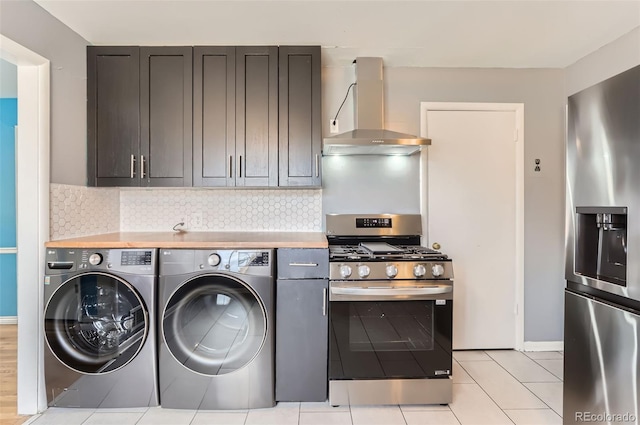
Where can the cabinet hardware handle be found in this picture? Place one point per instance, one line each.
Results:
(317, 165)
(304, 264)
(133, 166)
(324, 301)
(230, 166)
(142, 166)
(240, 167)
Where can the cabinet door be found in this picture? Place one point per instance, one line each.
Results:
(166, 116)
(113, 116)
(300, 115)
(301, 340)
(214, 116)
(256, 116)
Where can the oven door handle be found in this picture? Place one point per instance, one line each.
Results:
(364, 294)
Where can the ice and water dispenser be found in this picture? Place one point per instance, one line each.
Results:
(601, 243)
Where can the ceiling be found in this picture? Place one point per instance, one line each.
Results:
(450, 33)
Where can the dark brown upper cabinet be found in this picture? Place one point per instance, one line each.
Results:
(113, 116)
(236, 116)
(139, 116)
(300, 115)
(257, 116)
(214, 116)
(204, 116)
(166, 116)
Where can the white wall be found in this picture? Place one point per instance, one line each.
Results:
(610, 60)
(26, 23)
(542, 92)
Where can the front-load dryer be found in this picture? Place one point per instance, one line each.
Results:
(99, 328)
(216, 338)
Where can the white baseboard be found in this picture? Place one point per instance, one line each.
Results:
(543, 345)
(8, 320)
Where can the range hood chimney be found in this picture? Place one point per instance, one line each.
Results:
(370, 137)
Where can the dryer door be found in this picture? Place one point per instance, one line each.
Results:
(214, 324)
(95, 323)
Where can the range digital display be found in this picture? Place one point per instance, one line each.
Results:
(373, 222)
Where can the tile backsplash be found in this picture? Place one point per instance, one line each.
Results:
(79, 211)
(267, 210)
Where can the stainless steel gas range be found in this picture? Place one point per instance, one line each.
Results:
(391, 309)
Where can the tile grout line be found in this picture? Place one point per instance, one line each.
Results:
(523, 383)
(542, 366)
(536, 362)
(485, 391)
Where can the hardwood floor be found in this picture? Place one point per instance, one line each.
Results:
(8, 375)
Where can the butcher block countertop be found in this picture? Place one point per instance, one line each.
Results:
(194, 240)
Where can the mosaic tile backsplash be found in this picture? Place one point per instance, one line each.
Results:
(80, 211)
(267, 210)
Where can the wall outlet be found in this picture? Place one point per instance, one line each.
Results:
(195, 220)
(333, 126)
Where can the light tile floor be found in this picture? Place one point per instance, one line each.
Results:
(489, 387)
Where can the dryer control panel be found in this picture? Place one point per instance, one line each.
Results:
(134, 261)
(244, 261)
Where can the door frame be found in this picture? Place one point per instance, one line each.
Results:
(32, 217)
(518, 108)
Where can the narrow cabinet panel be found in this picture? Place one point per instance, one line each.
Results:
(113, 116)
(257, 116)
(301, 340)
(166, 116)
(214, 89)
(300, 115)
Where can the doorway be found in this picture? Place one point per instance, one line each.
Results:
(32, 211)
(8, 250)
(473, 207)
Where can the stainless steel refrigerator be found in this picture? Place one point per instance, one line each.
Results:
(602, 297)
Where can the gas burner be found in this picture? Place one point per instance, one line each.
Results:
(393, 252)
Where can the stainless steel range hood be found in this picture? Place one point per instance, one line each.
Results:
(369, 137)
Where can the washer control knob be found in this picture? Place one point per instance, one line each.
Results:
(345, 271)
(363, 271)
(419, 270)
(95, 259)
(437, 270)
(391, 270)
(214, 260)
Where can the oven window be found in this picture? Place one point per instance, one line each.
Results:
(390, 339)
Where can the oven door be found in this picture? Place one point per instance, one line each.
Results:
(390, 333)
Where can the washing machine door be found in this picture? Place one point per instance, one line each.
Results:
(214, 324)
(95, 323)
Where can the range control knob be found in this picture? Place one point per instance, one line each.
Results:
(391, 270)
(214, 260)
(363, 271)
(419, 270)
(437, 270)
(95, 259)
(345, 271)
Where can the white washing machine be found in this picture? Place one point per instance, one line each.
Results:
(216, 338)
(99, 328)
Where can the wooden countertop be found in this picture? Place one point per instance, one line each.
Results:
(195, 240)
